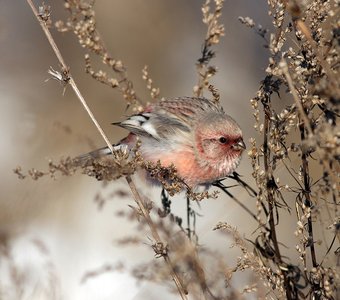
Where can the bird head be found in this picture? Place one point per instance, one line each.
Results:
(219, 142)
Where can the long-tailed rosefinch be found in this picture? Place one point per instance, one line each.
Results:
(194, 134)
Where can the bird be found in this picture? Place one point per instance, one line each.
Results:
(194, 134)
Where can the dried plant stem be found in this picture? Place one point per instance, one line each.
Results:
(266, 158)
(70, 78)
(89, 112)
(298, 103)
(306, 192)
(182, 291)
(225, 190)
(271, 201)
(134, 191)
(188, 218)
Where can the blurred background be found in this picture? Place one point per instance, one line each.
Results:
(52, 230)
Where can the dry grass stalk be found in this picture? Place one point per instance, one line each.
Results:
(215, 31)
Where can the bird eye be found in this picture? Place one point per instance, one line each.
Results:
(222, 140)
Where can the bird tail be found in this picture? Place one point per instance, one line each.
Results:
(87, 158)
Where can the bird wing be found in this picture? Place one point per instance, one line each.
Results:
(188, 109)
(154, 125)
(169, 117)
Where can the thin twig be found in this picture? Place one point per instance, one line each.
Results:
(306, 193)
(221, 186)
(214, 32)
(235, 176)
(70, 78)
(182, 291)
(296, 98)
(271, 200)
(188, 218)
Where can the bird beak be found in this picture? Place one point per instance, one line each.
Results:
(240, 145)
